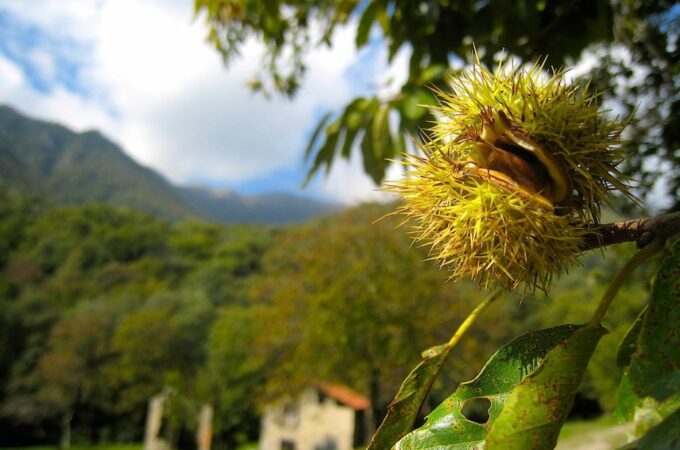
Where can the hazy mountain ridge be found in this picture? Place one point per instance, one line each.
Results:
(47, 159)
(228, 207)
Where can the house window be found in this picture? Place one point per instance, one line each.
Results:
(328, 444)
(291, 415)
(287, 445)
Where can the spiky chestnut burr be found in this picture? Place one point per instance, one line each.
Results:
(519, 165)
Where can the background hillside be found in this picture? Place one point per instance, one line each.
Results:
(68, 168)
(229, 207)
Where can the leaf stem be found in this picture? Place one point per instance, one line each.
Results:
(643, 255)
(470, 319)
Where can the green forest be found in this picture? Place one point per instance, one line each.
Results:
(102, 308)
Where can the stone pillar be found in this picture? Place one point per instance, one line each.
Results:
(154, 419)
(204, 434)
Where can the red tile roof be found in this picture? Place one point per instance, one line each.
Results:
(346, 396)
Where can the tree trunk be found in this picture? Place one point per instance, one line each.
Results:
(204, 434)
(66, 419)
(154, 420)
(376, 409)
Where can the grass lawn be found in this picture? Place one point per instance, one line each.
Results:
(85, 447)
(600, 434)
(248, 446)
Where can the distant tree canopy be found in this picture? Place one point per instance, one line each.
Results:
(356, 288)
(102, 308)
(636, 43)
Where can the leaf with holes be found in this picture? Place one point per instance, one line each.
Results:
(655, 365)
(536, 409)
(509, 384)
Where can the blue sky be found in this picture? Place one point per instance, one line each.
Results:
(142, 73)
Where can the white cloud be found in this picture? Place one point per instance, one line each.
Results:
(10, 75)
(60, 105)
(158, 89)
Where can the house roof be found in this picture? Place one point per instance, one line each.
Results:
(346, 396)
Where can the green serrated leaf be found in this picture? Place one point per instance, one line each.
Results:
(380, 130)
(395, 44)
(315, 134)
(535, 411)
(626, 401)
(382, 137)
(433, 72)
(414, 104)
(384, 21)
(403, 410)
(447, 427)
(353, 116)
(399, 141)
(367, 153)
(326, 153)
(366, 22)
(655, 366)
(644, 412)
(352, 120)
(370, 163)
(629, 342)
(410, 107)
(350, 137)
(663, 436)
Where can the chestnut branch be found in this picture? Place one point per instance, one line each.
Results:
(641, 231)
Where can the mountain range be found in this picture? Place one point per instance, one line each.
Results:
(69, 168)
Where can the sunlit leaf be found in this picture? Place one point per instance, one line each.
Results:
(375, 144)
(411, 108)
(352, 120)
(366, 22)
(382, 144)
(316, 133)
(325, 155)
(433, 72)
(370, 163)
(535, 411)
(529, 384)
(399, 143)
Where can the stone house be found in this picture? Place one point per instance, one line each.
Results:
(323, 417)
